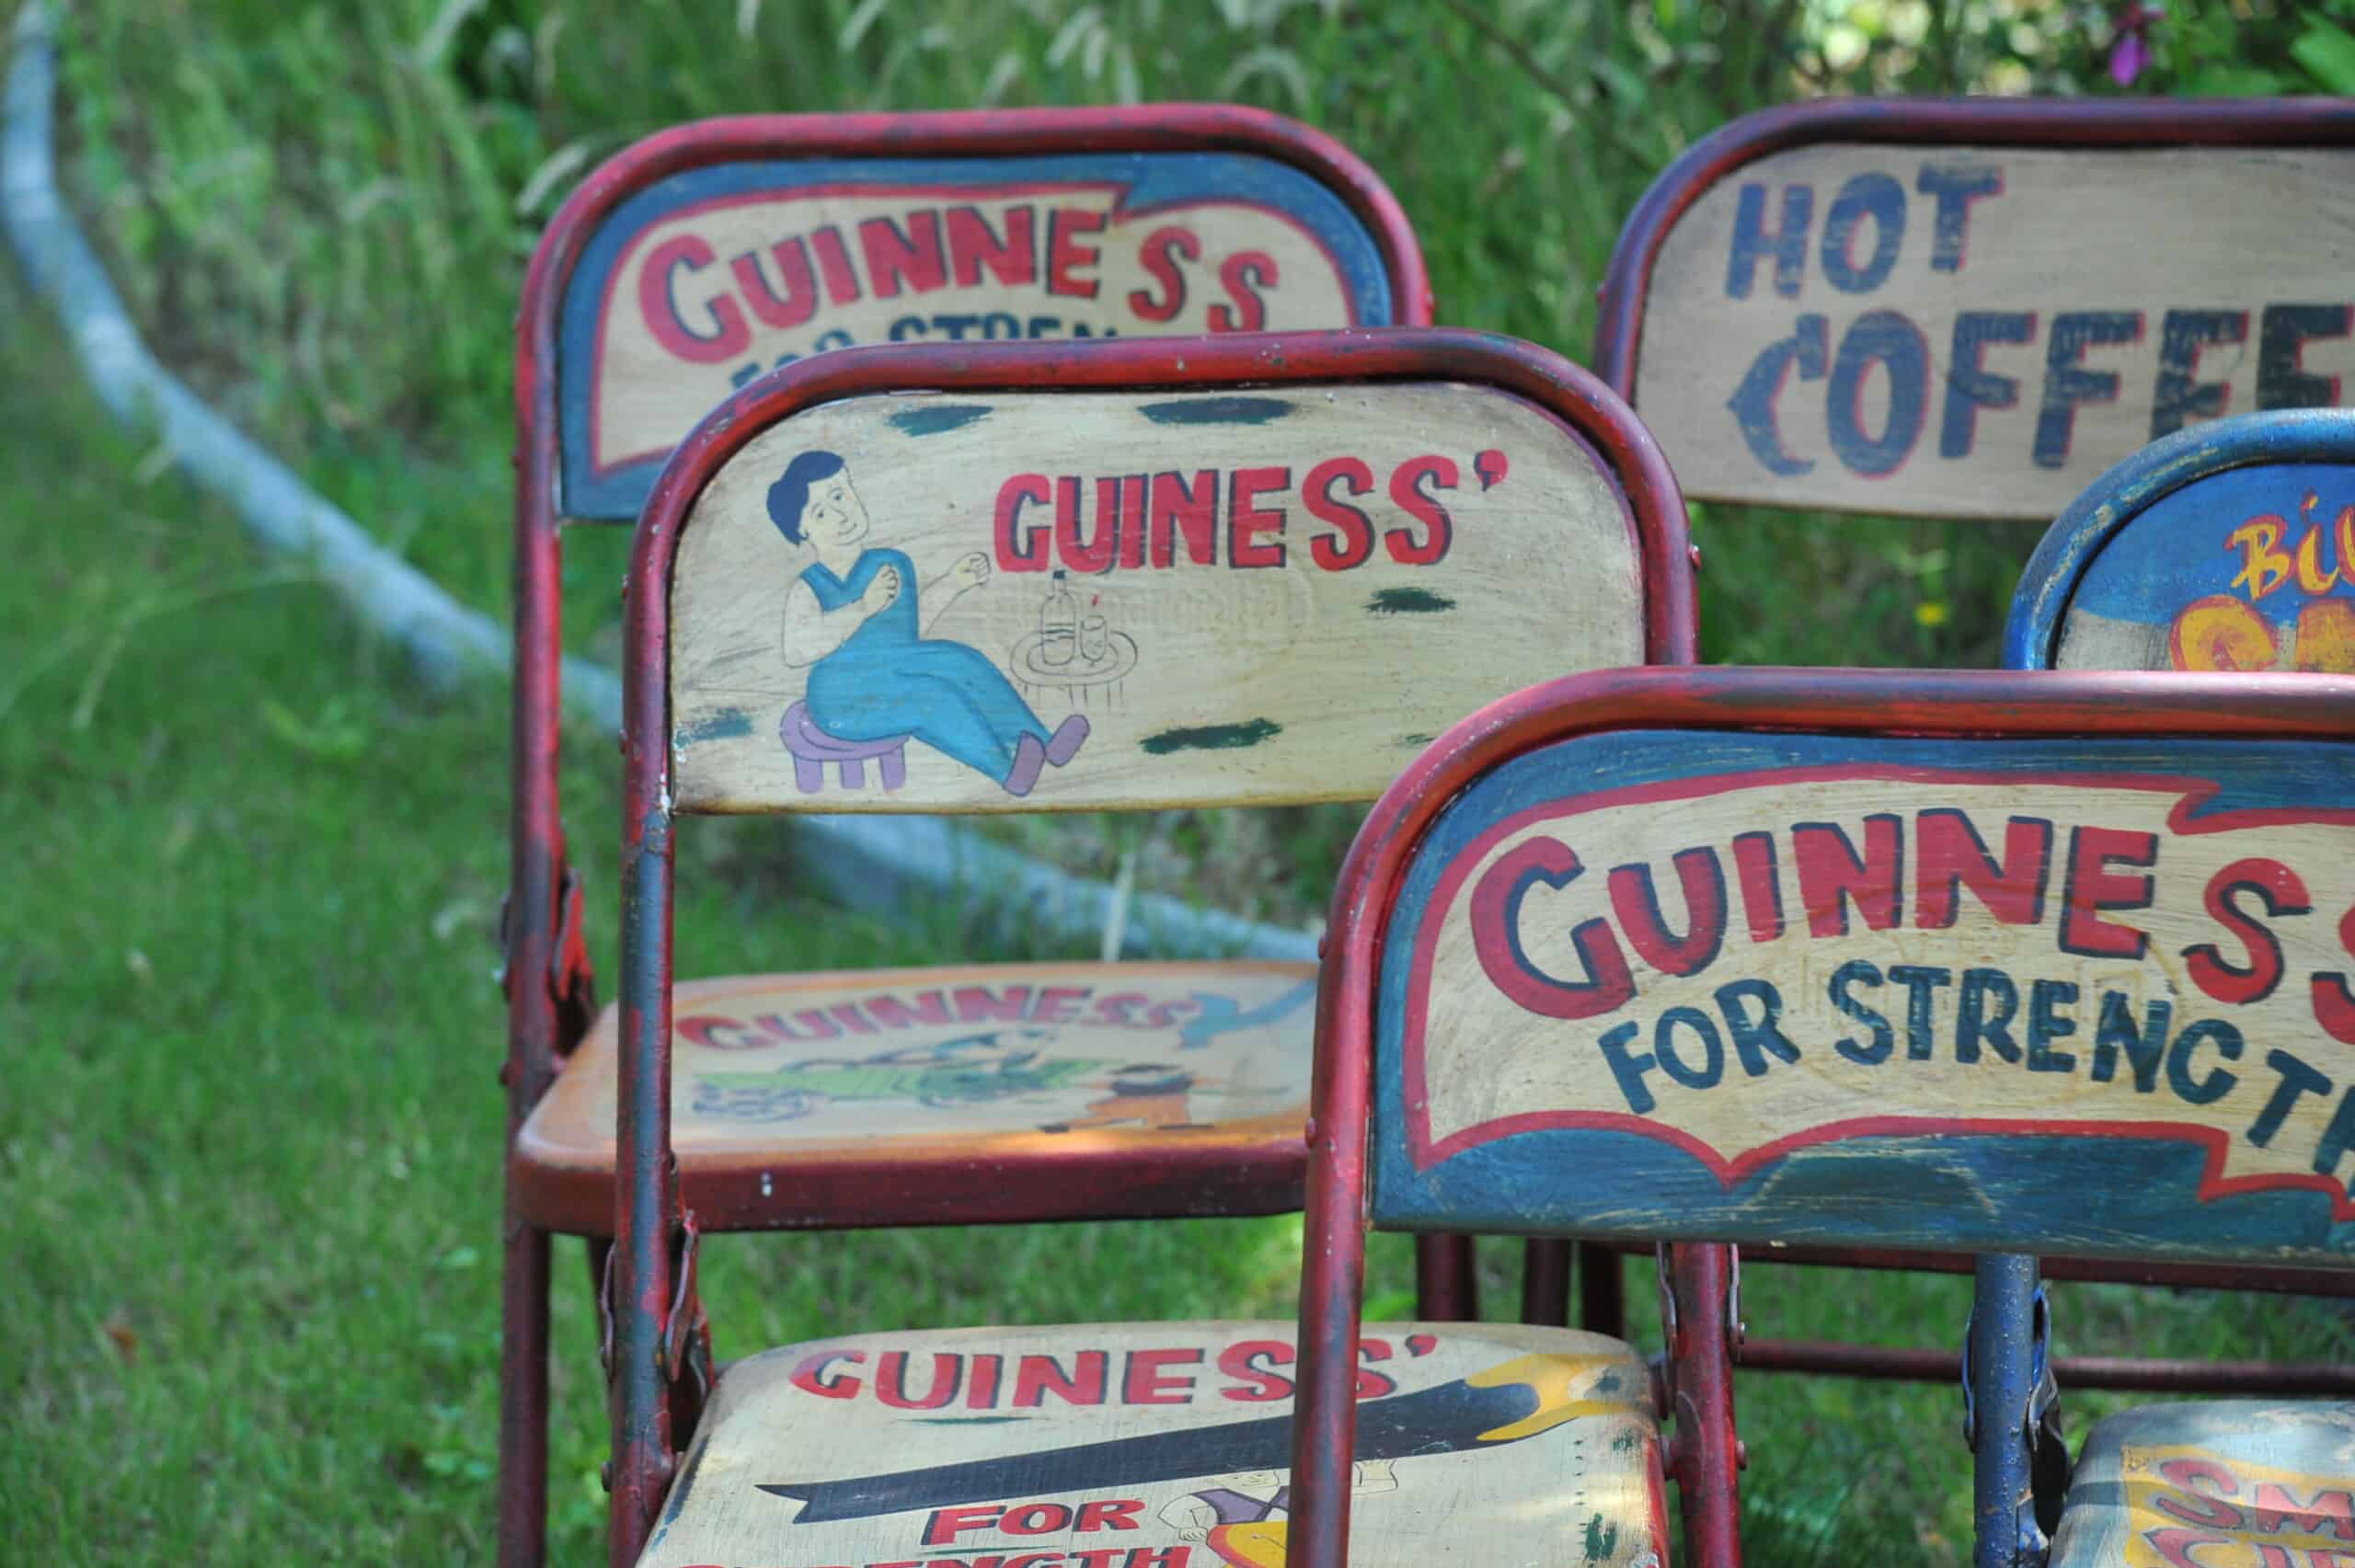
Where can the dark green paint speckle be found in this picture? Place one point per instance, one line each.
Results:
(1408, 601)
(1601, 1539)
(935, 419)
(728, 724)
(1417, 739)
(1218, 411)
(1210, 738)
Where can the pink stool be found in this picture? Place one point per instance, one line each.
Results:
(812, 749)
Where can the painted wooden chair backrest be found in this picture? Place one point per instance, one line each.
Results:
(2229, 545)
(703, 256)
(1251, 569)
(1971, 961)
(1973, 308)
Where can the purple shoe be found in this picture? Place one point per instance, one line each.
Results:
(1069, 737)
(1029, 757)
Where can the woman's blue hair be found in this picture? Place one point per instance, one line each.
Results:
(791, 491)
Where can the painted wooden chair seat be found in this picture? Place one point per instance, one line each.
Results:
(1312, 551)
(2221, 1483)
(1164, 1446)
(956, 1094)
(814, 751)
(1985, 963)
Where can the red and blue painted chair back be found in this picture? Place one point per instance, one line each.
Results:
(1252, 570)
(1972, 962)
(1974, 307)
(2227, 547)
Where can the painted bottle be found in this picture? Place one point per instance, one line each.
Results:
(1058, 624)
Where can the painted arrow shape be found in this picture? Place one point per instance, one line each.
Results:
(1504, 1403)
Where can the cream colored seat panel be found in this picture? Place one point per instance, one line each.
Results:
(1166, 1446)
(2227, 1484)
(925, 1062)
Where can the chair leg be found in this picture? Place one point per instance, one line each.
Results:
(1445, 1288)
(524, 1396)
(1707, 1458)
(1545, 1282)
(1603, 1291)
(809, 776)
(2004, 1366)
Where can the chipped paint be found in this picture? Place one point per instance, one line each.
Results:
(1408, 601)
(727, 724)
(1211, 737)
(1218, 411)
(938, 419)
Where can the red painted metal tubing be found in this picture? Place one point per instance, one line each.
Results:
(1545, 1282)
(1447, 1285)
(2133, 1374)
(1705, 1459)
(744, 1195)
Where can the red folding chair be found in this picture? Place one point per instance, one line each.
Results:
(1974, 308)
(2121, 1056)
(704, 255)
(1298, 556)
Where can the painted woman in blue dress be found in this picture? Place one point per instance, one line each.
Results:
(857, 621)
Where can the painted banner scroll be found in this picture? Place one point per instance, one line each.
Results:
(1960, 309)
(1163, 1445)
(2096, 995)
(2230, 546)
(1073, 600)
(761, 249)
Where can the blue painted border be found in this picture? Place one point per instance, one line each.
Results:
(2078, 1196)
(1152, 179)
(2040, 602)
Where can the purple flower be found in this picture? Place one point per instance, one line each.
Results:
(2131, 51)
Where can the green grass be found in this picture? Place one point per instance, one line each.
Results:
(249, 1141)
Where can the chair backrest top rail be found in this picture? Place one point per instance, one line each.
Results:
(1238, 569)
(1968, 960)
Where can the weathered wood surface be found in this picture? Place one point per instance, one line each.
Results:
(707, 279)
(2251, 569)
(952, 1063)
(1166, 1446)
(2237, 1484)
(1278, 594)
(1980, 331)
(2079, 996)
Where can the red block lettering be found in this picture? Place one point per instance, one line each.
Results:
(1065, 252)
(1145, 1383)
(1156, 257)
(1832, 873)
(1950, 855)
(909, 258)
(2094, 887)
(1243, 275)
(1406, 495)
(1351, 541)
(1245, 518)
(1035, 1377)
(2279, 889)
(971, 247)
(656, 304)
